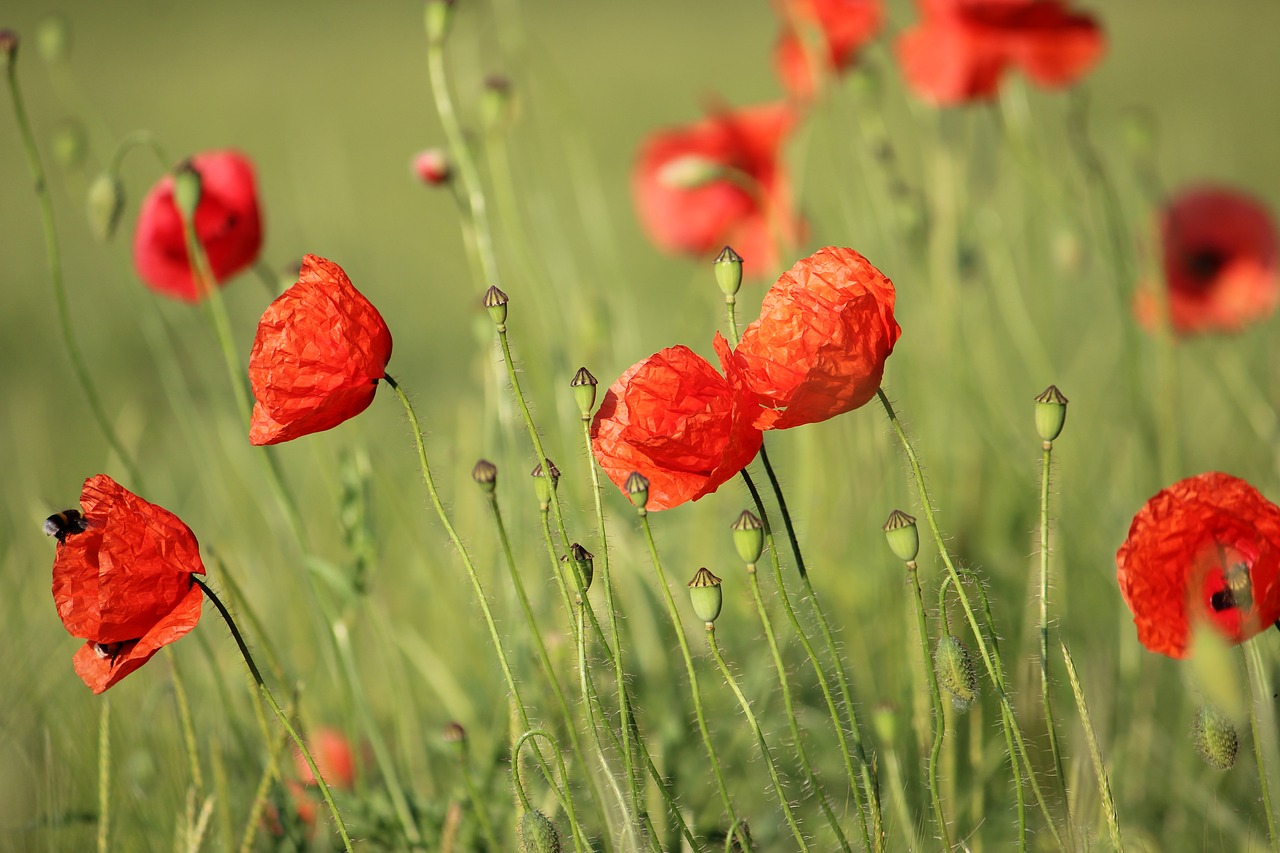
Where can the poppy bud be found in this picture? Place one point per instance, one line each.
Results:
(495, 101)
(70, 145)
(53, 39)
(705, 593)
(954, 667)
(455, 733)
(689, 172)
(187, 189)
(584, 391)
(748, 537)
(104, 203)
(1215, 738)
(1051, 413)
(728, 267)
(585, 562)
(538, 834)
(496, 301)
(637, 487)
(540, 484)
(8, 49)
(485, 473)
(902, 535)
(432, 167)
(439, 13)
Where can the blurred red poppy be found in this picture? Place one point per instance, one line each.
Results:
(1206, 549)
(844, 27)
(678, 422)
(320, 350)
(960, 48)
(719, 182)
(1220, 262)
(333, 755)
(820, 345)
(228, 225)
(123, 581)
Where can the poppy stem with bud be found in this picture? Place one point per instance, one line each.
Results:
(275, 707)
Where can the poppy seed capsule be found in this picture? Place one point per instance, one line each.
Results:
(706, 595)
(1215, 738)
(728, 267)
(496, 301)
(748, 537)
(954, 667)
(585, 562)
(538, 834)
(187, 187)
(540, 482)
(1051, 413)
(637, 487)
(584, 391)
(454, 733)
(105, 203)
(903, 537)
(485, 473)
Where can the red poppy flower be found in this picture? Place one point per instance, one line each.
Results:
(819, 347)
(1206, 549)
(320, 350)
(960, 48)
(227, 222)
(678, 422)
(1220, 259)
(333, 755)
(123, 582)
(844, 25)
(719, 182)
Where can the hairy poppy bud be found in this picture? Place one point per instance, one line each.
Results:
(485, 473)
(748, 537)
(728, 267)
(104, 203)
(954, 667)
(637, 488)
(903, 537)
(1051, 413)
(1215, 738)
(496, 302)
(706, 595)
(584, 391)
(538, 834)
(432, 167)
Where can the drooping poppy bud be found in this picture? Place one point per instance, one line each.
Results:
(123, 581)
(953, 665)
(320, 350)
(227, 223)
(1215, 738)
(1206, 550)
(104, 203)
(538, 834)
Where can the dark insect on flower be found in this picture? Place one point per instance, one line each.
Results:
(60, 525)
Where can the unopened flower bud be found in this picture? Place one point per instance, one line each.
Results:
(70, 145)
(637, 487)
(1215, 738)
(485, 473)
(689, 172)
(454, 733)
(187, 186)
(432, 167)
(8, 49)
(728, 267)
(53, 39)
(104, 203)
(495, 101)
(584, 391)
(748, 537)
(954, 667)
(542, 484)
(1051, 413)
(496, 301)
(438, 15)
(902, 535)
(584, 560)
(706, 595)
(538, 834)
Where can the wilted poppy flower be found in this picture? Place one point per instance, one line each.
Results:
(320, 350)
(718, 182)
(819, 347)
(122, 581)
(227, 222)
(1206, 549)
(678, 422)
(960, 48)
(1220, 262)
(844, 26)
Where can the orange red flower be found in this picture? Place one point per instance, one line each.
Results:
(819, 347)
(844, 27)
(320, 350)
(122, 581)
(228, 224)
(1220, 262)
(677, 421)
(961, 48)
(719, 182)
(333, 755)
(1204, 550)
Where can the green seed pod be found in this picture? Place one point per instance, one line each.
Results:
(584, 391)
(903, 537)
(543, 485)
(53, 39)
(538, 834)
(637, 487)
(104, 204)
(706, 595)
(496, 301)
(1051, 413)
(485, 473)
(1215, 738)
(748, 537)
(585, 562)
(728, 267)
(187, 187)
(954, 667)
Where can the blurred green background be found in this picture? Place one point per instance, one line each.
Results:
(1011, 290)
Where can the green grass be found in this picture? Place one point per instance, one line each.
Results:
(1017, 284)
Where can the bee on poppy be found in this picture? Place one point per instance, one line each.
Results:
(1237, 593)
(60, 525)
(110, 651)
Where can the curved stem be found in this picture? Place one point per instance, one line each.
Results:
(935, 699)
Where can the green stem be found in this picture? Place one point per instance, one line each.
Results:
(104, 777)
(935, 698)
(1261, 694)
(1099, 768)
(280, 714)
(188, 730)
(478, 805)
(1044, 632)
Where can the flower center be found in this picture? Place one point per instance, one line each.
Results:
(1204, 265)
(1237, 593)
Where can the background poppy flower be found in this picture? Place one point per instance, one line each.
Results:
(124, 582)
(227, 222)
(844, 25)
(718, 182)
(320, 350)
(333, 755)
(1220, 262)
(1205, 549)
(677, 421)
(960, 48)
(819, 347)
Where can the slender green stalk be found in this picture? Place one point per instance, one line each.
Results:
(259, 806)
(104, 777)
(759, 733)
(1044, 631)
(1099, 767)
(275, 707)
(1261, 695)
(935, 698)
(188, 730)
(478, 804)
(53, 257)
